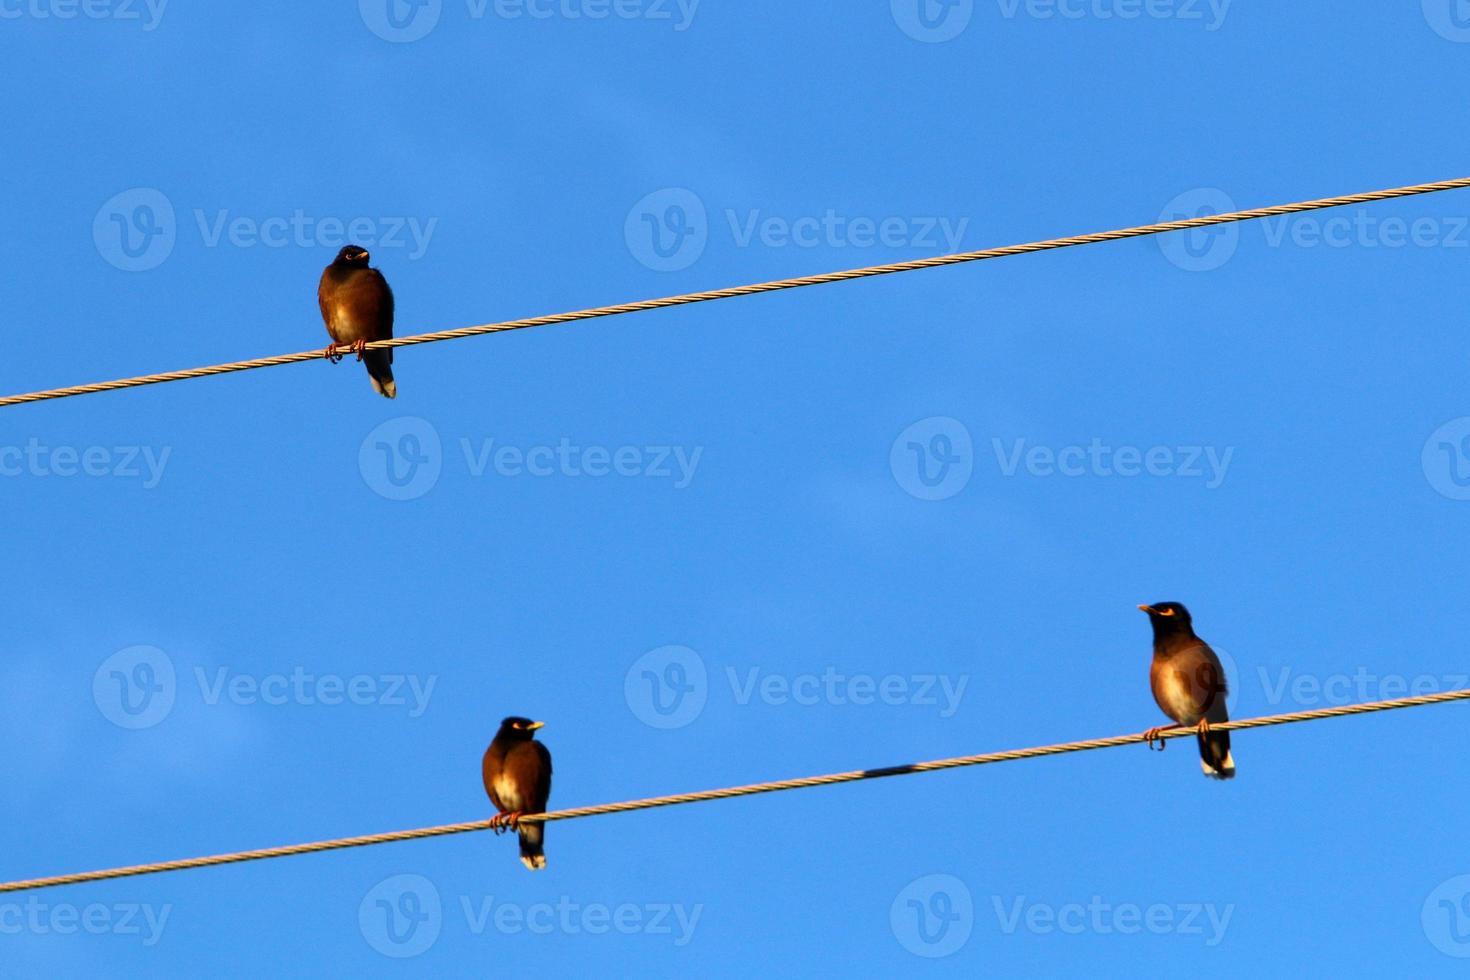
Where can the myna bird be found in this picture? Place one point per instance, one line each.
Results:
(517, 772)
(1189, 685)
(357, 306)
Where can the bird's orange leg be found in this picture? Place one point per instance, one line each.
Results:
(331, 353)
(359, 348)
(1203, 727)
(1152, 735)
(497, 823)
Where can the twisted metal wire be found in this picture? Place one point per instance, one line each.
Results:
(774, 786)
(765, 287)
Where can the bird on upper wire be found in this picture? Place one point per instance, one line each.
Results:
(357, 307)
(1189, 685)
(517, 774)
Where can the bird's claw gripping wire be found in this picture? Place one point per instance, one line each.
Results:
(1152, 736)
(360, 348)
(502, 822)
(331, 353)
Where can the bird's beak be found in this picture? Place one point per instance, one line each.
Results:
(535, 725)
(363, 255)
(1148, 609)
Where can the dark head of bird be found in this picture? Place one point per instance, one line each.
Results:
(352, 255)
(517, 729)
(1170, 620)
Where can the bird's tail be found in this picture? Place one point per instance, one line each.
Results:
(532, 837)
(380, 370)
(1214, 755)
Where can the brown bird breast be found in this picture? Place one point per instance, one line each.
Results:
(1187, 685)
(517, 778)
(356, 304)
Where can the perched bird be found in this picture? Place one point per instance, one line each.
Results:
(1189, 685)
(517, 773)
(357, 307)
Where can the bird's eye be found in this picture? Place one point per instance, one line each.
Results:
(1166, 612)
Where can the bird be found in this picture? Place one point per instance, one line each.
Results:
(1189, 685)
(517, 774)
(357, 307)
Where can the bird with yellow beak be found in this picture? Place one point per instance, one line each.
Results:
(517, 774)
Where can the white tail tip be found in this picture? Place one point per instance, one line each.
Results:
(534, 863)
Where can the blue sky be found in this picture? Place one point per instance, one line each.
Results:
(273, 607)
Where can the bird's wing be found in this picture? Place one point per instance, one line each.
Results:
(543, 776)
(387, 306)
(1209, 682)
